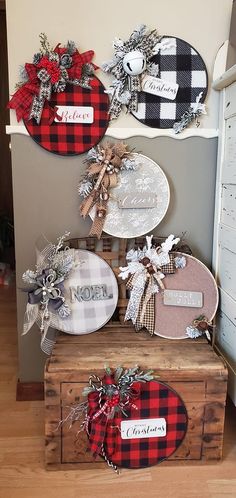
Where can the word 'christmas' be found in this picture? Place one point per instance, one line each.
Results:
(136, 429)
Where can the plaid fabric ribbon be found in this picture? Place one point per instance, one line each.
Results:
(46, 76)
(97, 423)
(142, 313)
(100, 418)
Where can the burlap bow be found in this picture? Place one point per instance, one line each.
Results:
(104, 174)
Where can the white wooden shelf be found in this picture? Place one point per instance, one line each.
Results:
(123, 133)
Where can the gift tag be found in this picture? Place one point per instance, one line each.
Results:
(183, 298)
(182, 77)
(139, 200)
(159, 87)
(143, 428)
(81, 120)
(189, 292)
(74, 114)
(152, 430)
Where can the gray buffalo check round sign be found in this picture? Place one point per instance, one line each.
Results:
(139, 201)
(91, 292)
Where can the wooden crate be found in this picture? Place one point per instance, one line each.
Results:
(189, 366)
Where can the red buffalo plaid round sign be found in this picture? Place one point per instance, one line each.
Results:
(81, 119)
(154, 428)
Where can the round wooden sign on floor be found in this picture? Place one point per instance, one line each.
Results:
(181, 65)
(152, 430)
(91, 292)
(70, 138)
(171, 320)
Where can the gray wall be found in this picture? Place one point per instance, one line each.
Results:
(46, 201)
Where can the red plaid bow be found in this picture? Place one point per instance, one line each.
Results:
(75, 72)
(103, 429)
(22, 99)
(98, 424)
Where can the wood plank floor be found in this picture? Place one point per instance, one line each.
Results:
(22, 473)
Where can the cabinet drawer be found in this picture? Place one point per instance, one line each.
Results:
(228, 210)
(227, 271)
(230, 101)
(226, 337)
(229, 170)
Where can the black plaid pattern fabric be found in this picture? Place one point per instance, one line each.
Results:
(180, 64)
(149, 316)
(169, 267)
(156, 400)
(73, 138)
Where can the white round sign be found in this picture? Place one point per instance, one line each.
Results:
(91, 292)
(139, 202)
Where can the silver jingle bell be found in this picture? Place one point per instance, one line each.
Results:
(134, 63)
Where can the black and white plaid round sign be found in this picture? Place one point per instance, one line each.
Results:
(179, 63)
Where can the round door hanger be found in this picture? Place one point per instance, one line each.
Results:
(80, 121)
(153, 429)
(91, 292)
(139, 202)
(189, 293)
(181, 80)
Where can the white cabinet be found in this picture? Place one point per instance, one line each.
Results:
(224, 257)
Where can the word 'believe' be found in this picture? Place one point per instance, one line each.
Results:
(74, 114)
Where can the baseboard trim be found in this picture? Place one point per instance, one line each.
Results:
(29, 391)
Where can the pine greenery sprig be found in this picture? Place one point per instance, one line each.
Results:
(123, 379)
(45, 45)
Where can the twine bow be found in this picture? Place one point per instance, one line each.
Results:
(104, 174)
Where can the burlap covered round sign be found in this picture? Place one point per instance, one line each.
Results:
(190, 293)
